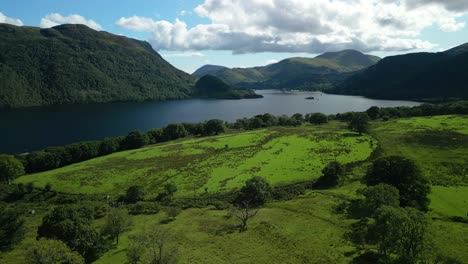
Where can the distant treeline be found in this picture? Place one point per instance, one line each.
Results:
(55, 157)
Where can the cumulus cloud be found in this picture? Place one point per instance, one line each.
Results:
(54, 19)
(452, 5)
(184, 55)
(313, 26)
(272, 61)
(10, 20)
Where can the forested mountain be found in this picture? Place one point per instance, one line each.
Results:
(316, 73)
(416, 76)
(75, 64)
(210, 86)
(208, 69)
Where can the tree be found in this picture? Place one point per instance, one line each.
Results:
(152, 246)
(10, 168)
(332, 174)
(134, 194)
(72, 224)
(109, 145)
(256, 122)
(135, 139)
(117, 221)
(298, 116)
(11, 227)
(404, 175)
(401, 231)
(48, 187)
(155, 135)
(213, 126)
(269, 120)
(359, 123)
(49, 251)
(379, 195)
(318, 118)
(172, 212)
(254, 193)
(170, 189)
(174, 131)
(244, 212)
(29, 187)
(373, 112)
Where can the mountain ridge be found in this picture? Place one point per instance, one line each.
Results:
(414, 76)
(70, 64)
(318, 73)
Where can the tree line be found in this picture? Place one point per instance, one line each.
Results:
(56, 157)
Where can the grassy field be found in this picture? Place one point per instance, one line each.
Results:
(215, 164)
(304, 230)
(307, 229)
(438, 144)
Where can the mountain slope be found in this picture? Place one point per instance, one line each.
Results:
(319, 73)
(210, 86)
(416, 76)
(75, 64)
(208, 69)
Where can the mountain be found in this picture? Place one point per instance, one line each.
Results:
(208, 69)
(210, 86)
(75, 64)
(416, 76)
(317, 73)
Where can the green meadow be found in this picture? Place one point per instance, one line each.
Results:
(215, 164)
(308, 229)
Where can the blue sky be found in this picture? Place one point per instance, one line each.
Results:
(243, 33)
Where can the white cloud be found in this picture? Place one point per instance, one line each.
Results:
(185, 13)
(10, 20)
(54, 19)
(268, 62)
(184, 55)
(452, 5)
(312, 26)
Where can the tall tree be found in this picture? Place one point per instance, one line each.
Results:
(332, 174)
(117, 221)
(318, 118)
(134, 194)
(135, 139)
(359, 123)
(401, 231)
(404, 175)
(11, 227)
(49, 251)
(10, 168)
(254, 193)
(214, 126)
(72, 224)
(152, 246)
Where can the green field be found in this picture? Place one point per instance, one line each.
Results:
(438, 144)
(217, 164)
(307, 229)
(304, 230)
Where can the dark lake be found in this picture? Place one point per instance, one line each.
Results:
(36, 128)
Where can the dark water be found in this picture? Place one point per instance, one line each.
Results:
(35, 128)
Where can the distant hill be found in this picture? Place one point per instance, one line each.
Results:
(316, 73)
(75, 64)
(416, 76)
(210, 86)
(208, 69)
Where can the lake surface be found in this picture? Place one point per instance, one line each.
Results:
(36, 128)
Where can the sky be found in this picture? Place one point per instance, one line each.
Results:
(247, 33)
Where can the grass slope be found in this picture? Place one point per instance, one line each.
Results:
(304, 230)
(198, 164)
(307, 229)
